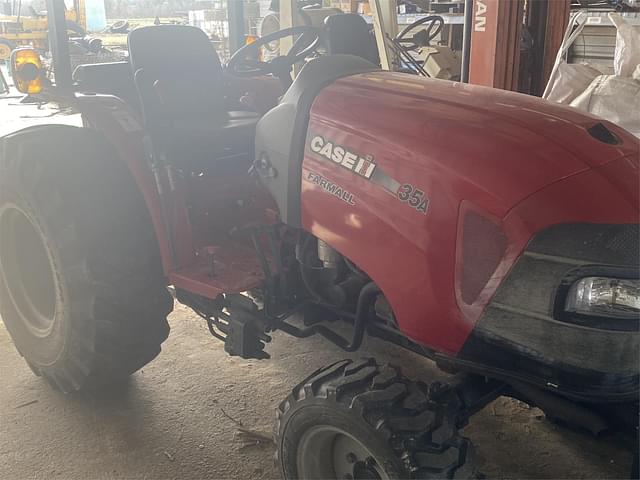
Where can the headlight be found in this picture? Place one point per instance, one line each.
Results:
(605, 297)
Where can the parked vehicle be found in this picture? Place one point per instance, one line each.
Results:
(32, 30)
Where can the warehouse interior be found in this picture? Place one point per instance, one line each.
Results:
(319, 239)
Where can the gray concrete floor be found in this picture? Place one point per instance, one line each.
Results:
(177, 418)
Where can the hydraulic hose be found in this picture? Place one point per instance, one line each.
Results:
(366, 299)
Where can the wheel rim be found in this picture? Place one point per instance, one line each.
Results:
(327, 452)
(27, 271)
(5, 51)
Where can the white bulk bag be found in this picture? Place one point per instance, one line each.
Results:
(568, 80)
(613, 98)
(627, 55)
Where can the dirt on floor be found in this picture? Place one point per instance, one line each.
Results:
(181, 417)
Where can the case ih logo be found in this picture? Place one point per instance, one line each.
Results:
(363, 166)
(331, 188)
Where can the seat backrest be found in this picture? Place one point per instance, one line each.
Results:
(177, 73)
(349, 34)
(173, 49)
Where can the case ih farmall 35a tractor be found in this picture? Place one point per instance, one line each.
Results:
(492, 232)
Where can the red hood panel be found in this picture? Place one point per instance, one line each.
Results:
(559, 124)
(614, 197)
(504, 144)
(439, 147)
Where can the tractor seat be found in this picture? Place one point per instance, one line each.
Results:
(180, 83)
(349, 34)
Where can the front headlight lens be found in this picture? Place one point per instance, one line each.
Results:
(605, 297)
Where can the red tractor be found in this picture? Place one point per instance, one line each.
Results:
(492, 232)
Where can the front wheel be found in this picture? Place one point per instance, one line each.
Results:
(360, 420)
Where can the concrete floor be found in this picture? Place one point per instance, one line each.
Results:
(177, 418)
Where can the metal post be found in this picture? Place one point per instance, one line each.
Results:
(59, 43)
(495, 43)
(557, 20)
(466, 40)
(235, 9)
(390, 14)
(385, 23)
(288, 13)
(81, 13)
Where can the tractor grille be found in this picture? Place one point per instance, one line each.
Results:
(591, 243)
(523, 310)
(522, 333)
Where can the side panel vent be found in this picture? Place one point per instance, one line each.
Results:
(483, 246)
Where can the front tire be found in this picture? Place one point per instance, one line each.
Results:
(81, 288)
(355, 420)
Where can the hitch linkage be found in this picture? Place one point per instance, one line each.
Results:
(241, 328)
(234, 319)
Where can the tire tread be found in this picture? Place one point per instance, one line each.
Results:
(107, 251)
(419, 427)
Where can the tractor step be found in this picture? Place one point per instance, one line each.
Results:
(230, 268)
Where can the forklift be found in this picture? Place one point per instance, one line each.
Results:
(17, 29)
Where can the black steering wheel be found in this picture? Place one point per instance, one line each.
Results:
(423, 37)
(244, 62)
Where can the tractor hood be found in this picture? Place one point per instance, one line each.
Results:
(434, 188)
(491, 145)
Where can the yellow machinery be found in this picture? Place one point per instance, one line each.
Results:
(22, 30)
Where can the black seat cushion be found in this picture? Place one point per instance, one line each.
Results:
(180, 84)
(349, 34)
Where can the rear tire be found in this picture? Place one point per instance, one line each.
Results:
(81, 287)
(388, 426)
